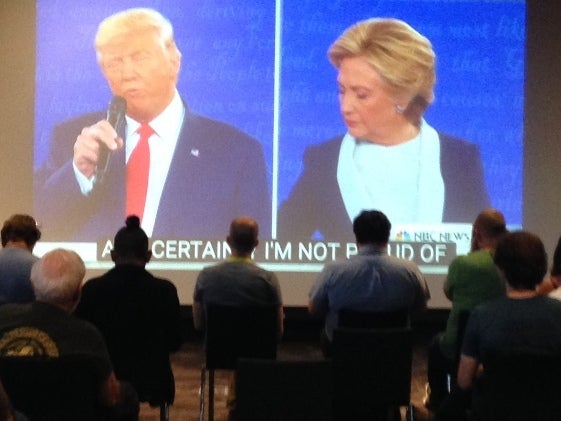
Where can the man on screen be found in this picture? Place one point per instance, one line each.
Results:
(201, 172)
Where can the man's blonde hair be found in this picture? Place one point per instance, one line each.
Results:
(134, 20)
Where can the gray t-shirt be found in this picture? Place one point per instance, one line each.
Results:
(236, 283)
(507, 325)
(41, 329)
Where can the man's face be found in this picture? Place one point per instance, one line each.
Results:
(141, 69)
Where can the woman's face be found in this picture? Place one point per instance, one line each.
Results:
(367, 108)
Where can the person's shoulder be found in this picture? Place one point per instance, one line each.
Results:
(210, 272)
(340, 268)
(12, 309)
(467, 259)
(93, 284)
(450, 143)
(163, 283)
(85, 328)
(552, 301)
(218, 131)
(398, 262)
(329, 146)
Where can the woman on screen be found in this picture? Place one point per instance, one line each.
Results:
(390, 159)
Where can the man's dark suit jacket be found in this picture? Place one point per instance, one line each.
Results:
(217, 173)
(315, 204)
(139, 318)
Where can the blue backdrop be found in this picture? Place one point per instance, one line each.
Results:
(229, 68)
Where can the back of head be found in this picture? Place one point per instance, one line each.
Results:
(401, 56)
(57, 278)
(20, 227)
(244, 233)
(491, 223)
(372, 227)
(131, 242)
(522, 258)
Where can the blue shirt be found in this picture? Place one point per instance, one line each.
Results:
(15, 275)
(370, 281)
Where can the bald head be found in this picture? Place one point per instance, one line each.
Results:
(489, 227)
(243, 237)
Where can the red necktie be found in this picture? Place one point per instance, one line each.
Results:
(137, 173)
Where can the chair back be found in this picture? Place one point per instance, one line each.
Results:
(233, 332)
(283, 390)
(519, 387)
(374, 319)
(463, 318)
(372, 370)
(52, 388)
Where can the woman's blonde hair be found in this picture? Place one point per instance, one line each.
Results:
(401, 56)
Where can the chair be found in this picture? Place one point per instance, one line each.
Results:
(52, 389)
(283, 390)
(518, 387)
(231, 333)
(374, 319)
(372, 373)
(463, 317)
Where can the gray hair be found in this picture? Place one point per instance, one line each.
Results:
(57, 277)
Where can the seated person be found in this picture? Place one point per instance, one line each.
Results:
(19, 236)
(46, 327)
(472, 280)
(137, 314)
(522, 322)
(237, 281)
(369, 281)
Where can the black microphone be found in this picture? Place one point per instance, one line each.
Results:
(116, 117)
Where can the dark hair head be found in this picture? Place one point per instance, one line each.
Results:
(244, 233)
(372, 227)
(522, 258)
(131, 241)
(20, 227)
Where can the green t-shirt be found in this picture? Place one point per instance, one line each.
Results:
(472, 279)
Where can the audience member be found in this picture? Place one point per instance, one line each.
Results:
(46, 327)
(138, 315)
(472, 279)
(550, 285)
(19, 236)
(238, 281)
(522, 322)
(369, 281)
